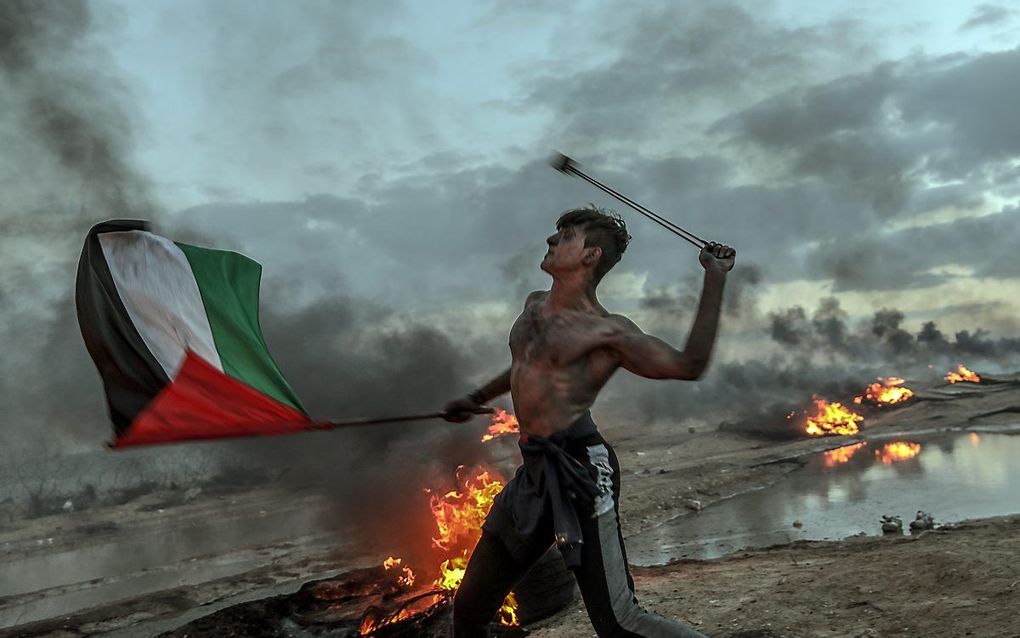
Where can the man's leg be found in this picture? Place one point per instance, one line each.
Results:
(603, 577)
(491, 574)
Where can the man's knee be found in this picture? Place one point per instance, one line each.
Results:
(605, 626)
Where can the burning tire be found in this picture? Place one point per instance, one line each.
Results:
(546, 589)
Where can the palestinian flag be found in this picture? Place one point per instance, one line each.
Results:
(174, 331)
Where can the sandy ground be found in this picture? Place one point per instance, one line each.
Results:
(955, 581)
(960, 580)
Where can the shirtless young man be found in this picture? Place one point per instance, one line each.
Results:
(565, 346)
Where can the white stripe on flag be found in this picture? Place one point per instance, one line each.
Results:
(159, 291)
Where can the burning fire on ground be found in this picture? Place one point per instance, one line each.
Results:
(407, 577)
(898, 451)
(458, 516)
(962, 374)
(832, 418)
(503, 424)
(887, 391)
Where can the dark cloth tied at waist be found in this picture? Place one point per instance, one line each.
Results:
(541, 502)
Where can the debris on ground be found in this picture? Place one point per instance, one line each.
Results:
(892, 524)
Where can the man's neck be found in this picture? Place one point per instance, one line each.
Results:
(575, 292)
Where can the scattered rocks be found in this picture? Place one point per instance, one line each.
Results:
(922, 522)
(692, 504)
(891, 524)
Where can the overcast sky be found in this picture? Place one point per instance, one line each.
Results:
(860, 148)
(393, 154)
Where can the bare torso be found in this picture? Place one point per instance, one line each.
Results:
(560, 363)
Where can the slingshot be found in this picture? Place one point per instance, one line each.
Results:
(564, 164)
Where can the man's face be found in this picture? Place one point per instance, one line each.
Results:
(566, 251)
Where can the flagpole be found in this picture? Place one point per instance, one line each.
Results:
(332, 425)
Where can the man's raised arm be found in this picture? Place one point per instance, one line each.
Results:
(460, 410)
(653, 358)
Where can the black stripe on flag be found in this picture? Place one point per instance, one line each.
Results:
(131, 375)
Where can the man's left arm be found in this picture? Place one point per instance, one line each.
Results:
(653, 358)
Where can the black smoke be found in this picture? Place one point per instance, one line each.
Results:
(68, 131)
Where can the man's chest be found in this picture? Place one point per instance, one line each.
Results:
(555, 339)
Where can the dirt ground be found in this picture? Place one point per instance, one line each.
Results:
(961, 580)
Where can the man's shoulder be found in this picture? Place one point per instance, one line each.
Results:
(535, 295)
(623, 322)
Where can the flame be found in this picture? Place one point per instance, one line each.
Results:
(975, 439)
(898, 451)
(372, 622)
(407, 580)
(459, 515)
(888, 391)
(503, 424)
(832, 418)
(962, 374)
(841, 455)
(451, 572)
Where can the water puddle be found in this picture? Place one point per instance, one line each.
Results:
(846, 491)
(153, 559)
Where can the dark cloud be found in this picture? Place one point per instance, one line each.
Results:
(672, 61)
(987, 15)
(970, 99)
(916, 257)
(876, 137)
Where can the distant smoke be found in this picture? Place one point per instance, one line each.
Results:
(66, 136)
(794, 354)
(349, 359)
(882, 339)
(68, 133)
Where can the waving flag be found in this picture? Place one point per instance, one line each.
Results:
(174, 331)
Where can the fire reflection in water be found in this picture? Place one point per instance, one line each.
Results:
(898, 451)
(839, 456)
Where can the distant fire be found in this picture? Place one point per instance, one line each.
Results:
(841, 455)
(832, 418)
(503, 424)
(898, 451)
(888, 391)
(962, 374)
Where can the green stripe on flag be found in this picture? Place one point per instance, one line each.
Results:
(229, 285)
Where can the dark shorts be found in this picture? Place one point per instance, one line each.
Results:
(508, 549)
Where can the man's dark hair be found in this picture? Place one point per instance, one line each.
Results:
(602, 228)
